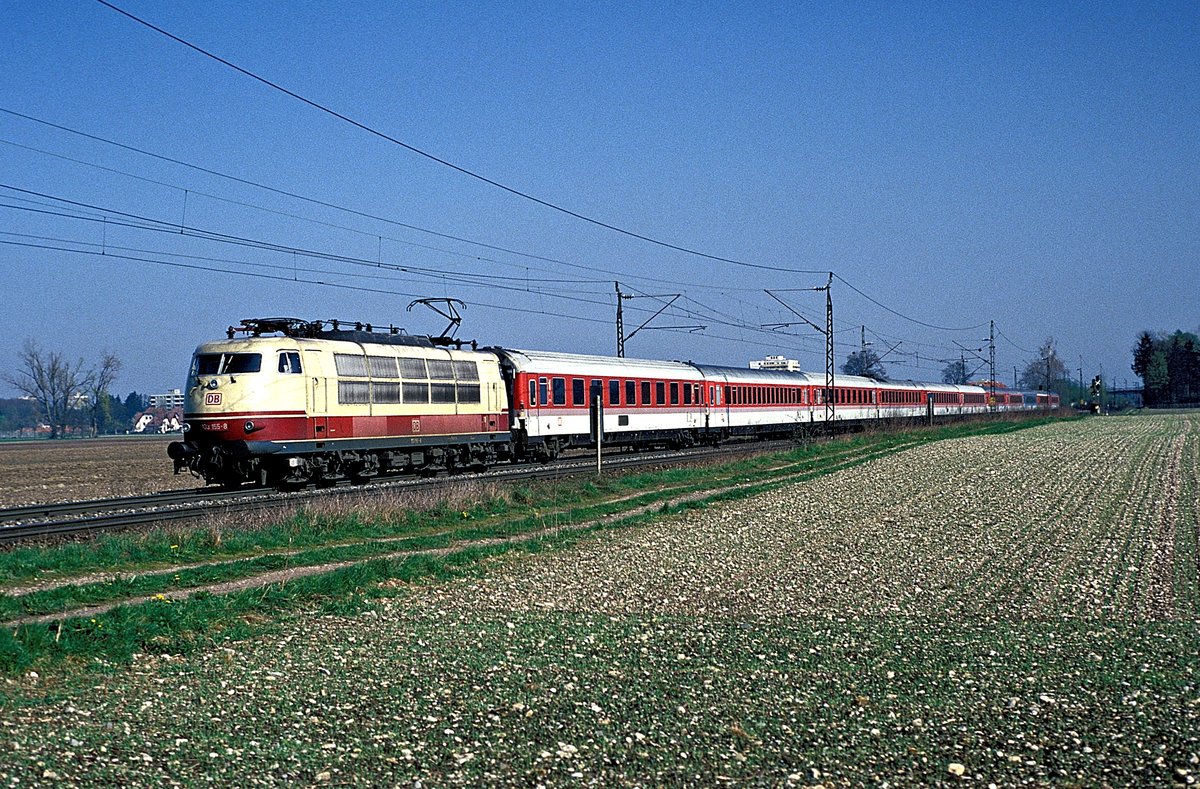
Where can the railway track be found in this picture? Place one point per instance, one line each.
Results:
(39, 521)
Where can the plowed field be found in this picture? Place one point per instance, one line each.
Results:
(1006, 610)
(42, 472)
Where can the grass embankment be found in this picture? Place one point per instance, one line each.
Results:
(381, 541)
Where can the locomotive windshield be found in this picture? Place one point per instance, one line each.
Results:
(226, 363)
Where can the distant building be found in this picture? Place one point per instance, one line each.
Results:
(171, 399)
(159, 420)
(775, 363)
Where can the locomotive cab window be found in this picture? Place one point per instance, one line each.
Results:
(226, 363)
(289, 362)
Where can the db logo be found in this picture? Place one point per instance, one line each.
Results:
(416, 426)
(212, 398)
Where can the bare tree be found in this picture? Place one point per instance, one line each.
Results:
(955, 372)
(1046, 370)
(99, 381)
(865, 363)
(54, 383)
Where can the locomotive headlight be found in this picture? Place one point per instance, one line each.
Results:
(213, 384)
(186, 426)
(249, 426)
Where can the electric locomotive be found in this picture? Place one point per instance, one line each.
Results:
(291, 402)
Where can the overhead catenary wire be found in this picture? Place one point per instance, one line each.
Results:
(336, 207)
(140, 222)
(481, 244)
(440, 160)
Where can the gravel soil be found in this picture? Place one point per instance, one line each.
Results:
(45, 472)
(1009, 610)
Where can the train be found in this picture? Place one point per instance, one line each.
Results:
(288, 402)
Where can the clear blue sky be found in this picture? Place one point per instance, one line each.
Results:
(1036, 164)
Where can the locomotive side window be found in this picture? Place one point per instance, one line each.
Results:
(416, 392)
(386, 393)
(383, 367)
(350, 364)
(354, 392)
(559, 387)
(468, 393)
(440, 369)
(441, 393)
(413, 368)
(289, 362)
(466, 371)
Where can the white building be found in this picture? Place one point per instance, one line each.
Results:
(169, 400)
(775, 363)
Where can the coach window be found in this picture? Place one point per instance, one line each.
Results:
(645, 393)
(687, 394)
(577, 387)
(660, 393)
(596, 390)
(558, 389)
(614, 392)
(674, 393)
(289, 362)
(631, 393)
(532, 392)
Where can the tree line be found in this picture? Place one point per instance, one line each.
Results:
(64, 394)
(1169, 366)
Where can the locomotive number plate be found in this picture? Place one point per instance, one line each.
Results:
(212, 398)
(216, 427)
